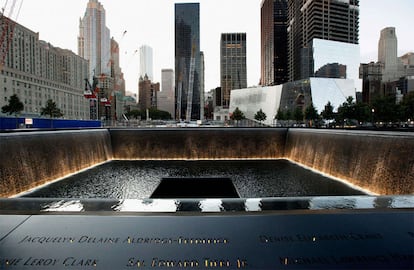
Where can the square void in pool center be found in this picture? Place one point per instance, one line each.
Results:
(195, 187)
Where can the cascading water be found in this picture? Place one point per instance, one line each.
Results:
(31, 159)
(198, 143)
(381, 162)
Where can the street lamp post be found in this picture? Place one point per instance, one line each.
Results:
(372, 116)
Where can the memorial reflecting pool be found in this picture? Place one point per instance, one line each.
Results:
(138, 179)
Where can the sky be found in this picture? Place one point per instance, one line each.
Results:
(151, 22)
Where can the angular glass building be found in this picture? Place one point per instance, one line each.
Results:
(187, 61)
(292, 95)
(327, 55)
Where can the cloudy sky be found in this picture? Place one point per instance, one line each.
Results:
(151, 22)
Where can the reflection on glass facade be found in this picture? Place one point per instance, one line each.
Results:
(187, 61)
(335, 57)
(274, 54)
(329, 20)
(334, 90)
(292, 95)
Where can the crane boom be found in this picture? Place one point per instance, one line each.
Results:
(191, 84)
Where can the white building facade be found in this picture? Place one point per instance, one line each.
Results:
(166, 96)
(36, 71)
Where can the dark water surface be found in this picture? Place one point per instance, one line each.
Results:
(138, 179)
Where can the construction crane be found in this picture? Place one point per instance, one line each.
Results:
(179, 97)
(191, 83)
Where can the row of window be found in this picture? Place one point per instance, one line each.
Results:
(34, 81)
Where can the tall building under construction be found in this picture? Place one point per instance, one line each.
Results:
(187, 62)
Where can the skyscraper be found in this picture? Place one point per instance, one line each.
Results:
(165, 98)
(387, 52)
(94, 42)
(233, 74)
(145, 62)
(274, 63)
(324, 20)
(187, 61)
(167, 80)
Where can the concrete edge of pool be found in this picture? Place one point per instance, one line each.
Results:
(356, 232)
(41, 206)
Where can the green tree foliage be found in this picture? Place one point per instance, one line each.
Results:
(260, 116)
(386, 110)
(298, 114)
(288, 115)
(328, 113)
(237, 114)
(154, 114)
(408, 106)
(51, 110)
(311, 113)
(15, 106)
(362, 112)
(280, 115)
(136, 114)
(347, 109)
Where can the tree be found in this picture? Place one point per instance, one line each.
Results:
(51, 109)
(260, 116)
(386, 109)
(237, 114)
(328, 113)
(298, 114)
(15, 106)
(280, 115)
(158, 114)
(288, 115)
(133, 114)
(362, 112)
(408, 106)
(346, 111)
(311, 114)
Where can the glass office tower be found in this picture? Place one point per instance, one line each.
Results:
(274, 54)
(233, 71)
(187, 61)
